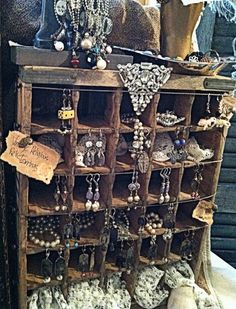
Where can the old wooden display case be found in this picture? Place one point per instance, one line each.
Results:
(99, 99)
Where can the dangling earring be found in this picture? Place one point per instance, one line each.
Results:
(195, 183)
(60, 265)
(153, 249)
(57, 193)
(186, 249)
(132, 188)
(89, 194)
(68, 233)
(76, 231)
(163, 185)
(101, 146)
(64, 194)
(83, 264)
(92, 259)
(167, 185)
(96, 197)
(208, 111)
(46, 268)
(137, 187)
(89, 151)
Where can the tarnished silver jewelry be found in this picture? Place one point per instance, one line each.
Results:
(143, 81)
(96, 197)
(100, 149)
(168, 119)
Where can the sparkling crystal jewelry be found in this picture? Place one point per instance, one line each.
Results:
(42, 231)
(89, 194)
(143, 81)
(163, 146)
(46, 268)
(96, 205)
(134, 187)
(195, 183)
(154, 223)
(168, 119)
(60, 265)
(128, 118)
(57, 193)
(60, 9)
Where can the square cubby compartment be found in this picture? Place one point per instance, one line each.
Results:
(45, 232)
(95, 152)
(157, 182)
(205, 146)
(178, 105)
(121, 192)
(38, 269)
(87, 228)
(125, 221)
(96, 110)
(62, 144)
(50, 199)
(122, 256)
(198, 182)
(45, 104)
(154, 251)
(187, 245)
(85, 263)
(91, 192)
(200, 108)
(184, 217)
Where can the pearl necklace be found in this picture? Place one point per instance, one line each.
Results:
(44, 226)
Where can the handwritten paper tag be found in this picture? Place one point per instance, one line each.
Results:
(36, 160)
(204, 212)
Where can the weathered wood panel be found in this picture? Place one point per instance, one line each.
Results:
(224, 231)
(228, 175)
(226, 197)
(227, 244)
(225, 218)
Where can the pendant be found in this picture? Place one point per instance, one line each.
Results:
(83, 264)
(143, 162)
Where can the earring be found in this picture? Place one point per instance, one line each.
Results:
(68, 233)
(195, 183)
(89, 159)
(169, 217)
(163, 185)
(76, 230)
(167, 185)
(64, 194)
(186, 249)
(83, 264)
(89, 194)
(60, 265)
(101, 146)
(66, 113)
(167, 236)
(57, 193)
(153, 250)
(92, 259)
(137, 187)
(46, 268)
(96, 197)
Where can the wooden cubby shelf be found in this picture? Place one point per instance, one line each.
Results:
(100, 101)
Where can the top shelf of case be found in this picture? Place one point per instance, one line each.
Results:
(109, 78)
